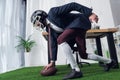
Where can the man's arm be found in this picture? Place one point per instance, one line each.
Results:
(67, 8)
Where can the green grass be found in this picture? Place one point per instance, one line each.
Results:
(93, 72)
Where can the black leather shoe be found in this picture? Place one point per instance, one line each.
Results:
(73, 74)
(110, 65)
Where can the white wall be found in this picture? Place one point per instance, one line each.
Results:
(107, 18)
(115, 7)
(36, 55)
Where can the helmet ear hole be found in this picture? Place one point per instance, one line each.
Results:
(44, 14)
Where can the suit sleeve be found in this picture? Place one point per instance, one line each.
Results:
(53, 45)
(67, 8)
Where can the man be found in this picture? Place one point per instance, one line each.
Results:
(66, 27)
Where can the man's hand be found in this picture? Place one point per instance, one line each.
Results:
(93, 18)
(49, 65)
(45, 33)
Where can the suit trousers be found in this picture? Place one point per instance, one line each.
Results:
(76, 35)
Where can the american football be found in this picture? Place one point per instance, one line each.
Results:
(49, 72)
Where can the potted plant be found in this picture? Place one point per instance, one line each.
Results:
(26, 44)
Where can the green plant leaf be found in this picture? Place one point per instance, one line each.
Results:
(26, 44)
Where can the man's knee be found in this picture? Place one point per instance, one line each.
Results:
(59, 41)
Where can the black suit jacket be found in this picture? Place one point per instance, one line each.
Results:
(62, 17)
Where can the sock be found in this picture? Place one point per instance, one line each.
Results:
(68, 51)
(98, 58)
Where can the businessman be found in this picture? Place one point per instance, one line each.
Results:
(68, 28)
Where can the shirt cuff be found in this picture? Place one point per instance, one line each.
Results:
(52, 61)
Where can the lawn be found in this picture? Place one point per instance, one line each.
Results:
(92, 72)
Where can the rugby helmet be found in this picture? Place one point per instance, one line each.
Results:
(38, 15)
